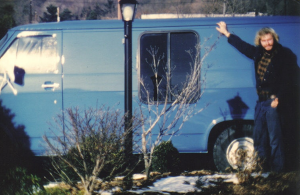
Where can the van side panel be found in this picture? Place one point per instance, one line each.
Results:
(93, 68)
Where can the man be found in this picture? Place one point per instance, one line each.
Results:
(274, 66)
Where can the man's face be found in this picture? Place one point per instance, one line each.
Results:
(267, 42)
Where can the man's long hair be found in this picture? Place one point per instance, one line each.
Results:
(265, 31)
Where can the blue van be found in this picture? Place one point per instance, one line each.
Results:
(47, 67)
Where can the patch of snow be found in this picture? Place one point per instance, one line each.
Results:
(139, 176)
(135, 177)
(106, 193)
(185, 184)
(51, 185)
(180, 184)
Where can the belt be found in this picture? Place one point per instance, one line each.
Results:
(272, 97)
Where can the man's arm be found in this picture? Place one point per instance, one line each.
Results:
(243, 47)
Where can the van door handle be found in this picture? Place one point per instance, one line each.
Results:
(50, 85)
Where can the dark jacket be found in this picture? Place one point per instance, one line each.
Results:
(281, 78)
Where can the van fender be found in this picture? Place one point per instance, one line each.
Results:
(226, 138)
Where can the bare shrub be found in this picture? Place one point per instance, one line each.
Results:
(89, 146)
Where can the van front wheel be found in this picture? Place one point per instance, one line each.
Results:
(234, 148)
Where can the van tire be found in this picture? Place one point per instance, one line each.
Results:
(228, 143)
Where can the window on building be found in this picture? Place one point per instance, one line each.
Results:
(166, 59)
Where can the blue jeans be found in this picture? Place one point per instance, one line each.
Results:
(267, 136)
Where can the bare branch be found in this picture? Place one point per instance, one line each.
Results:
(166, 116)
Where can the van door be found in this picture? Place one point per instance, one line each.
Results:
(31, 81)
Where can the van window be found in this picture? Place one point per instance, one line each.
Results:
(163, 54)
(35, 55)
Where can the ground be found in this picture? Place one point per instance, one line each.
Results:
(209, 183)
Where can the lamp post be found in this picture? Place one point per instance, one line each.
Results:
(128, 8)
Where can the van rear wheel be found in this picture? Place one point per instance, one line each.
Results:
(234, 147)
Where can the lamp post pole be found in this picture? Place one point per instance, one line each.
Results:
(128, 85)
(128, 8)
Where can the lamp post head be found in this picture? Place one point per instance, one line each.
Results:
(128, 8)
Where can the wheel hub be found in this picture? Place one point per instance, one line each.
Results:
(240, 153)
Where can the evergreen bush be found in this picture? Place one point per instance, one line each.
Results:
(166, 158)
(19, 181)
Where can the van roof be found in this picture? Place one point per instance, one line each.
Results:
(138, 23)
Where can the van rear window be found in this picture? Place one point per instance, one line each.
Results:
(164, 55)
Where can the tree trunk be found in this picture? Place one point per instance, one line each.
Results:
(147, 171)
(224, 8)
(147, 161)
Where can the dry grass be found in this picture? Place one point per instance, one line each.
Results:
(256, 184)
(274, 184)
